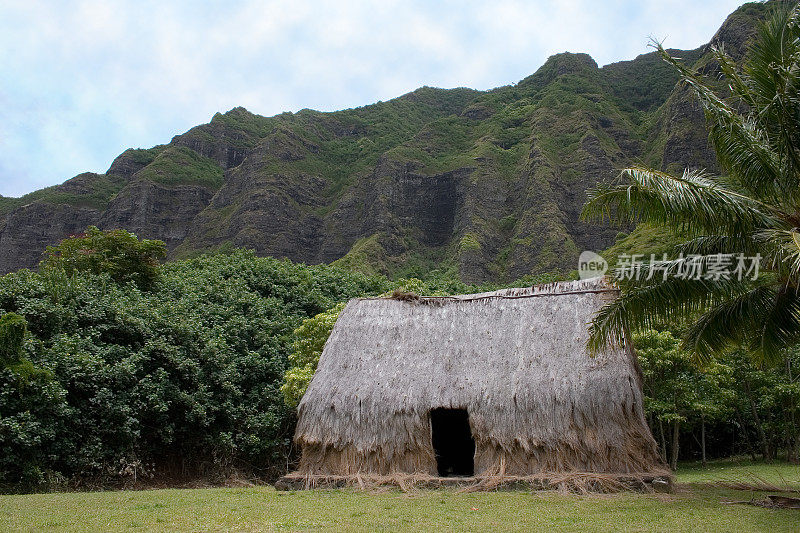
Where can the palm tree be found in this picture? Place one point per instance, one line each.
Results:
(753, 210)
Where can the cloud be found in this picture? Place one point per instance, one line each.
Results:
(82, 81)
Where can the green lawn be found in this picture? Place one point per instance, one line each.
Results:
(696, 506)
(737, 468)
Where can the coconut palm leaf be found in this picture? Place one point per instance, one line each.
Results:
(786, 256)
(648, 306)
(742, 148)
(690, 203)
(729, 323)
(720, 244)
(780, 328)
(738, 82)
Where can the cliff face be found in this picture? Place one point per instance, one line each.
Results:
(487, 185)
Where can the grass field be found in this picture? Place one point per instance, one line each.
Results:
(696, 506)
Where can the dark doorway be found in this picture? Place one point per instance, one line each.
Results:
(452, 442)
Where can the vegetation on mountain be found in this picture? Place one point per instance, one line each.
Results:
(486, 185)
(182, 166)
(85, 190)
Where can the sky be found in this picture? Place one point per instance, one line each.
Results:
(81, 81)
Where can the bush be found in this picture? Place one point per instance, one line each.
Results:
(311, 337)
(183, 379)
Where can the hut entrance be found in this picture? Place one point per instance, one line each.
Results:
(452, 442)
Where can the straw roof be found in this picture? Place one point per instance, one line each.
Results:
(514, 359)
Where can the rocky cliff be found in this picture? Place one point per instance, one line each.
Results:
(485, 185)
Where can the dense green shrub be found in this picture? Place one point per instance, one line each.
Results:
(310, 339)
(181, 379)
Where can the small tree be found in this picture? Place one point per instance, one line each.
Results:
(311, 337)
(768, 401)
(714, 399)
(678, 393)
(667, 387)
(118, 253)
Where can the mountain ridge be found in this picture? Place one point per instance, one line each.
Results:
(483, 185)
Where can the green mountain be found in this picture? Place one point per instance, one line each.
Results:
(486, 185)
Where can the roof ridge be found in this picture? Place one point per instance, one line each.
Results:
(558, 288)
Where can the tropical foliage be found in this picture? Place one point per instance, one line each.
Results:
(12, 337)
(727, 407)
(676, 392)
(115, 382)
(753, 210)
(310, 339)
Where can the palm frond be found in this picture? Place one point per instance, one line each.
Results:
(690, 203)
(742, 148)
(779, 329)
(720, 244)
(754, 212)
(729, 323)
(772, 49)
(738, 82)
(745, 152)
(713, 267)
(771, 69)
(786, 256)
(648, 306)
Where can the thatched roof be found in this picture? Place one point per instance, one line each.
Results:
(515, 359)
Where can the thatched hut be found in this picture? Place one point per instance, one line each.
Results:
(479, 385)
